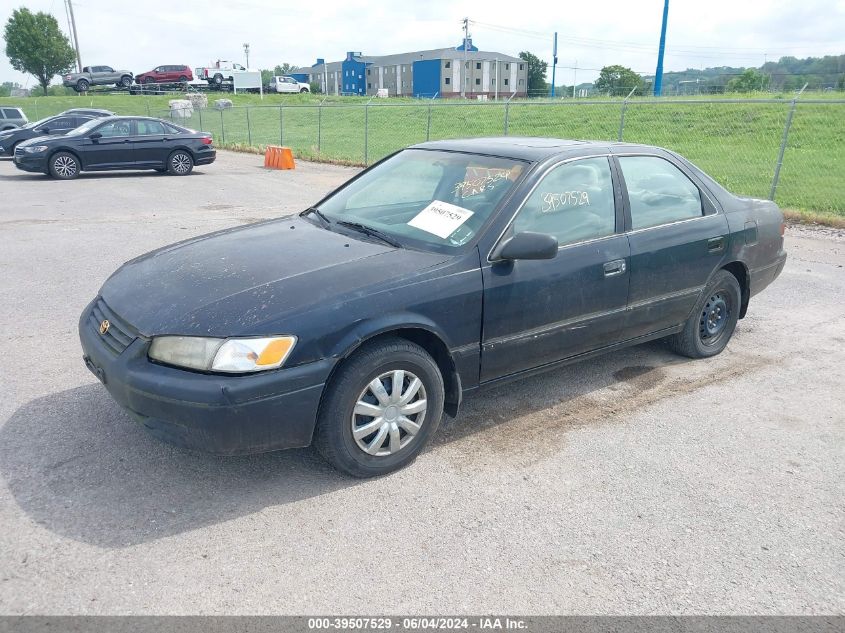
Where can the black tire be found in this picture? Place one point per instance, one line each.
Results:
(713, 321)
(334, 438)
(218, 79)
(64, 166)
(183, 79)
(180, 163)
(82, 85)
(125, 81)
(304, 90)
(149, 80)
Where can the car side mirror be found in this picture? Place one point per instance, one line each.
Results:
(45, 130)
(95, 136)
(527, 245)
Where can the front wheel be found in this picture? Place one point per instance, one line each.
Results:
(303, 90)
(713, 321)
(125, 81)
(218, 80)
(380, 409)
(64, 166)
(180, 163)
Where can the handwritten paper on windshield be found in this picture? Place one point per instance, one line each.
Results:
(440, 218)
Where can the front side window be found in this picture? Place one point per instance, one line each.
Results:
(428, 199)
(114, 129)
(574, 202)
(658, 192)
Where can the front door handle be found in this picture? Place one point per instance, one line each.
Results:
(715, 244)
(616, 267)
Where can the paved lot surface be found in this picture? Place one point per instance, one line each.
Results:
(637, 483)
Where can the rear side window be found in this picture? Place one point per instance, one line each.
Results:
(574, 202)
(64, 123)
(150, 128)
(659, 192)
(12, 113)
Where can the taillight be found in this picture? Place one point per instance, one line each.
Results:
(782, 228)
(206, 140)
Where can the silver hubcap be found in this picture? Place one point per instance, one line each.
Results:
(389, 413)
(65, 166)
(181, 164)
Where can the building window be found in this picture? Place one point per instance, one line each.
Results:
(506, 82)
(447, 81)
(521, 81)
(368, 72)
(493, 81)
(369, 86)
(521, 66)
(448, 64)
(507, 66)
(466, 65)
(477, 81)
(478, 65)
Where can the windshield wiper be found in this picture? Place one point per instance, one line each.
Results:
(368, 230)
(316, 212)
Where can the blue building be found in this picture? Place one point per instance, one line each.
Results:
(463, 71)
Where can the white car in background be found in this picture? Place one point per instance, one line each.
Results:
(285, 83)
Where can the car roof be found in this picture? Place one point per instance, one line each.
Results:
(528, 148)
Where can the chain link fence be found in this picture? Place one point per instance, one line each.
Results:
(790, 151)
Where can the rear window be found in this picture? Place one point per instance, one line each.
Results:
(12, 113)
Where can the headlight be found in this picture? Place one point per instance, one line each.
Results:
(235, 355)
(34, 149)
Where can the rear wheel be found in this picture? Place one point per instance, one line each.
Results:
(380, 409)
(82, 85)
(712, 323)
(180, 163)
(64, 166)
(218, 80)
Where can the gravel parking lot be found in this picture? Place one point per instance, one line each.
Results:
(640, 482)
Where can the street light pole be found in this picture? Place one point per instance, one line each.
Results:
(246, 52)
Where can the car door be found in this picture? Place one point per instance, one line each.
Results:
(677, 238)
(149, 143)
(111, 147)
(541, 311)
(289, 85)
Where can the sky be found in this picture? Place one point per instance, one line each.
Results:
(138, 36)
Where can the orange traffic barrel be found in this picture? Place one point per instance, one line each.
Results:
(276, 157)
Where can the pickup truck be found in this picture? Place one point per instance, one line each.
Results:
(219, 72)
(97, 76)
(286, 84)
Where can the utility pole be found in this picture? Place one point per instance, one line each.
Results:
(465, 76)
(246, 52)
(658, 75)
(554, 65)
(69, 6)
(574, 78)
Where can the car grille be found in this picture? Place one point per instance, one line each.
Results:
(119, 333)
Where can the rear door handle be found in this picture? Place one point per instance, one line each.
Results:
(715, 244)
(616, 267)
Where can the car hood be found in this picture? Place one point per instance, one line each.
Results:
(242, 281)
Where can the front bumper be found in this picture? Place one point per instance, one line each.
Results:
(31, 162)
(224, 415)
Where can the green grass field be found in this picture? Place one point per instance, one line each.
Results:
(736, 142)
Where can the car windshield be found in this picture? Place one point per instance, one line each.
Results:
(35, 124)
(430, 199)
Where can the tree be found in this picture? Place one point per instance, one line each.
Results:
(536, 74)
(35, 45)
(748, 81)
(284, 69)
(618, 81)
